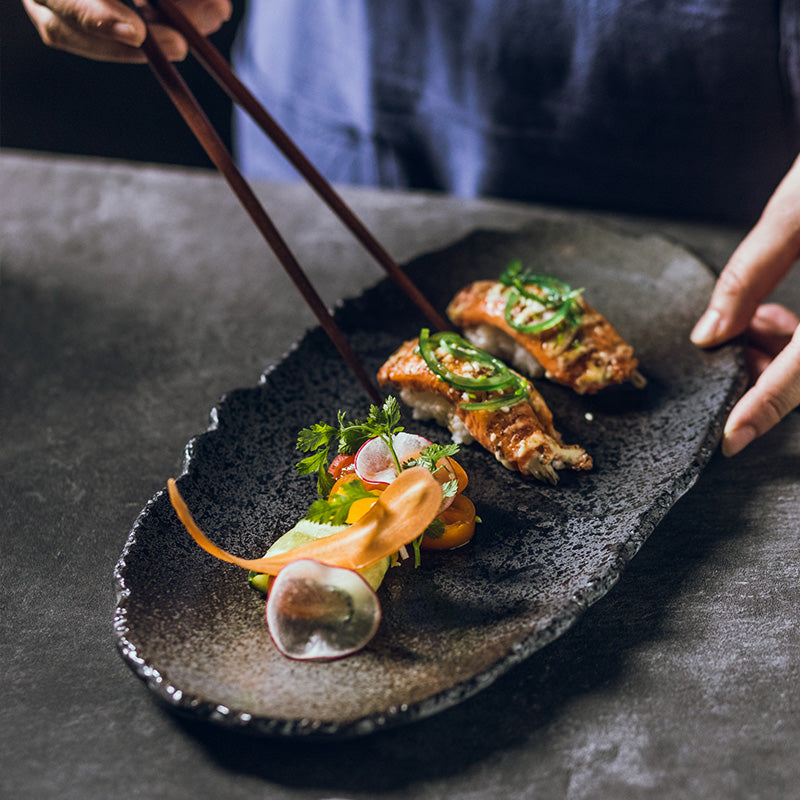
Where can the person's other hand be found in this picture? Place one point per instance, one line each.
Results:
(757, 266)
(108, 30)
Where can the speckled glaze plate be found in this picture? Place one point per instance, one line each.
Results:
(190, 627)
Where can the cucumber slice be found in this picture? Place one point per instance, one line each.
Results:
(305, 531)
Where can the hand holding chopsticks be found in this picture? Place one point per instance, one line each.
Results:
(195, 117)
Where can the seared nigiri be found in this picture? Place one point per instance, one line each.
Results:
(443, 377)
(542, 326)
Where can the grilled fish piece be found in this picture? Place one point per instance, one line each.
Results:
(587, 355)
(521, 436)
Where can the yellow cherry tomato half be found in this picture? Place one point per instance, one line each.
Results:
(359, 507)
(459, 525)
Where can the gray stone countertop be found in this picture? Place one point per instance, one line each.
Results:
(131, 299)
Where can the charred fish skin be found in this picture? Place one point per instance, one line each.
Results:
(587, 356)
(521, 437)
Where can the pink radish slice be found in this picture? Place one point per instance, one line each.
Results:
(374, 462)
(317, 613)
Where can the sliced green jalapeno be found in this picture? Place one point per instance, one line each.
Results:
(500, 377)
(554, 295)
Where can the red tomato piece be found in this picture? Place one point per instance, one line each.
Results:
(341, 463)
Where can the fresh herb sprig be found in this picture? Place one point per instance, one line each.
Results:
(430, 457)
(318, 439)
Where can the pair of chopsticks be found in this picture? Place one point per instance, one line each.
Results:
(185, 102)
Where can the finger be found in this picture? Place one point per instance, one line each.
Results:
(72, 41)
(756, 267)
(774, 395)
(772, 328)
(97, 36)
(774, 318)
(174, 46)
(102, 19)
(206, 15)
(57, 34)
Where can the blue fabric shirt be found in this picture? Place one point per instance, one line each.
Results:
(683, 107)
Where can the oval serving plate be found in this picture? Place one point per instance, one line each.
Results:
(190, 627)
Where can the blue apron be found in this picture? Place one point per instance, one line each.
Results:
(679, 107)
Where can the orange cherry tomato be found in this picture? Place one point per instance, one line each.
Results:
(459, 525)
(345, 477)
(459, 517)
(461, 476)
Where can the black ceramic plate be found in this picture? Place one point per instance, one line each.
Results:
(192, 629)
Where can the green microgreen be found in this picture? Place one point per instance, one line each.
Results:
(334, 509)
(430, 457)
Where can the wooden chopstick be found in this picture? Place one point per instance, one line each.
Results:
(216, 65)
(201, 126)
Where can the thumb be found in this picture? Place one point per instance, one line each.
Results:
(756, 267)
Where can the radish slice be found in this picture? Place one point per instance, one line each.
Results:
(318, 613)
(374, 462)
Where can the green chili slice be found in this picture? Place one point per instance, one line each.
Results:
(462, 349)
(507, 400)
(500, 377)
(565, 312)
(552, 290)
(552, 294)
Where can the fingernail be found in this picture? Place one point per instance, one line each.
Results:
(124, 31)
(706, 328)
(736, 440)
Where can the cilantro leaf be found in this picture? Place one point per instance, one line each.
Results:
(313, 463)
(431, 455)
(334, 509)
(317, 463)
(381, 421)
(315, 436)
(351, 437)
(450, 488)
(385, 418)
(319, 438)
(435, 530)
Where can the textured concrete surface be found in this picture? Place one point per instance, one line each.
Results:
(131, 298)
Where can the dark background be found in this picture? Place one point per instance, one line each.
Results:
(62, 103)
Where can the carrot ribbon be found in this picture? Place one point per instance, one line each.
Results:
(402, 512)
